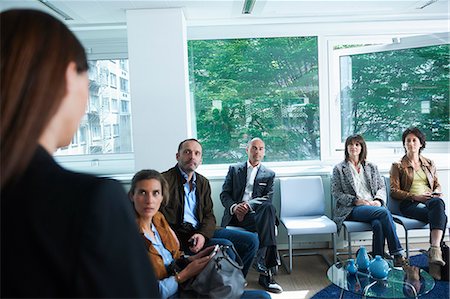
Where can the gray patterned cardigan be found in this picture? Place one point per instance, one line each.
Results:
(343, 189)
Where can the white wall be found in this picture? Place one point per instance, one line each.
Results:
(157, 52)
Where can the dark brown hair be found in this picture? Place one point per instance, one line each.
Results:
(36, 50)
(359, 139)
(415, 131)
(187, 140)
(150, 174)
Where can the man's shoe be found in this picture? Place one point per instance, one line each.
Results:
(269, 284)
(400, 261)
(259, 267)
(435, 256)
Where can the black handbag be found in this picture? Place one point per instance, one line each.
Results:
(444, 269)
(221, 278)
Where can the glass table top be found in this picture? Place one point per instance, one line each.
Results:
(395, 285)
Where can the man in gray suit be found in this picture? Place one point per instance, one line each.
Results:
(247, 197)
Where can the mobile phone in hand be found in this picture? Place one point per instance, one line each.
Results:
(436, 193)
(214, 251)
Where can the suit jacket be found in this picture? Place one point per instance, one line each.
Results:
(343, 189)
(65, 234)
(402, 176)
(174, 210)
(234, 186)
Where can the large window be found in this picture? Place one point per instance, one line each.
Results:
(261, 87)
(382, 93)
(269, 88)
(101, 113)
(381, 85)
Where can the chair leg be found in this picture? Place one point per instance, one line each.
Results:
(407, 243)
(290, 254)
(333, 240)
(349, 245)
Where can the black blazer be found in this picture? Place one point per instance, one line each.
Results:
(65, 234)
(234, 186)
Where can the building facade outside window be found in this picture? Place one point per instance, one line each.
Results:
(113, 80)
(123, 84)
(102, 112)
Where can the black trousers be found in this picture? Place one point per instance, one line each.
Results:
(262, 220)
(433, 213)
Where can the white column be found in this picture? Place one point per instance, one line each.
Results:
(159, 86)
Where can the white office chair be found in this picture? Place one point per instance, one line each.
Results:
(354, 227)
(351, 227)
(303, 212)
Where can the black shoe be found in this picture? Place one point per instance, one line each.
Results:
(259, 267)
(269, 284)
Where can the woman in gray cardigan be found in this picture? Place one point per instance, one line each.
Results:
(359, 192)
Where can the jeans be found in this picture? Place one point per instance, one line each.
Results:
(246, 244)
(432, 212)
(383, 227)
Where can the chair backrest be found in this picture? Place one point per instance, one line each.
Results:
(302, 196)
(393, 205)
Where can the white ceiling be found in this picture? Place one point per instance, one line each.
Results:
(199, 13)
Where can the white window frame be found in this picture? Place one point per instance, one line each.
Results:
(378, 151)
(114, 46)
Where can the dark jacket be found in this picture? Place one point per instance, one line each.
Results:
(234, 186)
(174, 210)
(402, 176)
(65, 234)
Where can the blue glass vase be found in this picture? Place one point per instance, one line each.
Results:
(362, 259)
(379, 268)
(351, 266)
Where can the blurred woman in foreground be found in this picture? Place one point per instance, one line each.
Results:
(63, 234)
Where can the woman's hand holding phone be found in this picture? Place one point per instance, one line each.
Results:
(214, 251)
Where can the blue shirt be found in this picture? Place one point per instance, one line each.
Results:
(168, 286)
(190, 200)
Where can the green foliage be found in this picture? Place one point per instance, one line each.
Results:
(390, 89)
(245, 88)
(268, 88)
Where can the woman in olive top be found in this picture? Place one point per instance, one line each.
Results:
(415, 183)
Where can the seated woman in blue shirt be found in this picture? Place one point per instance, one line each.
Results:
(148, 190)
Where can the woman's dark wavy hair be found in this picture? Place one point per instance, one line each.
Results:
(415, 131)
(356, 138)
(149, 174)
(35, 50)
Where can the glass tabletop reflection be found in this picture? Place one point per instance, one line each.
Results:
(395, 285)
